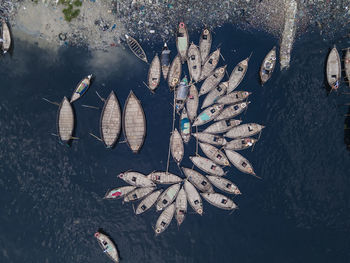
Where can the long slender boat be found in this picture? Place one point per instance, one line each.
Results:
(6, 37)
(174, 72)
(65, 121)
(192, 102)
(136, 48)
(108, 246)
(347, 65)
(268, 66)
(154, 73)
(194, 62)
(81, 88)
(165, 61)
(210, 64)
(182, 41)
(333, 69)
(237, 75)
(205, 44)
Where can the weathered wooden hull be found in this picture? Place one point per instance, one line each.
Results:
(154, 74)
(237, 75)
(168, 196)
(232, 111)
(192, 102)
(208, 114)
(185, 126)
(222, 126)
(108, 246)
(210, 138)
(215, 94)
(81, 88)
(234, 97)
(180, 206)
(164, 219)
(198, 180)
(65, 121)
(136, 179)
(333, 69)
(205, 44)
(214, 154)
(174, 72)
(224, 184)
(147, 202)
(193, 197)
(268, 66)
(240, 144)
(119, 192)
(244, 130)
(138, 194)
(6, 36)
(219, 201)
(182, 41)
(164, 178)
(207, 165)
(210, 64)
(136, 48)
(347, 65)
(239, 162)
(165, 61)
(176, 146)
(194, 62)
(212, 81)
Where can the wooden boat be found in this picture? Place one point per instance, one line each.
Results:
(232, 111)
(205, 44)
(138, 193)
(215, 94)
(239, 162)
(65, 121)
(214, 154)
(198, 180)
(136, 179)
(267, 66)
(108, 246)
(176, 146)
(154, 73)
(234, 97)
(212, 81)
(210, 138)
(148, 202)
(174, 72)
(136, 48)
(192, 102)
(210, 64)
(219, 201)
(181, 93)
(164, 219)
(333, 69)
(224, 184)
(240, 144)
(194, 62)
(168, 196)
(119, 192)
(193, 197)
(208, 114)
(165, 61)
(244, 130)
(207, 165)
(134, 123)
(185, 126)
(237, 74)
(222, 126)
(6, 37)
(81, 88)
(182, 41)
(180, 206)
(347, 65)
(164, 178)
(110, 121)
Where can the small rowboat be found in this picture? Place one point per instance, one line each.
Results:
(65, 121)
(268, 66)
(198, 180)
(208, 114)
(176, 146)
(108, 246)
(347, 65)
(219, 201)
(110, 122)
(181, 93)
(154, 74)
(180, 206)
(193, 197)
(210, 64)
(215, 94)
(6, 37)
(185, 126)
(244, 130)
(165, 60)
(333, 69)
(164, 219)
(207, 165)
(224, 184)
(174, 72)
(240, 144)
(138, 194)
(232, 111)
(148, 202)
(136, 179)
(194, 62)
(164, 178)
(210, 138)
(205, 44)
(134, 123)
(212, 81)
(237, 74)
(214, 154)
(222, 126)
(234, 97)
(182, 41)
(240, 162)
(192, 102)
(168, 196)
(136, 48)
(81, 88)
(119, 192)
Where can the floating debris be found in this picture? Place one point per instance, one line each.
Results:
(136, 48)
(222, 126)
(232, 111)
(215, 94)
(192, 103)
(207, 165)
(108, 246)
(168, 196)
(136, 179)
(81, 88)
(219, 201)
(268, 66)
(174, 72)
(333, 69)
(214, 154)
(165, 61)
(182, 41)
(154, 73)
(119, 192)
(237, 75)
(5, 36)
(224, 184)
(240, 162)
(194, 62)
(244, 130)
(176, 146)
(208, 114)
(212, 81)
(164, 219)
(240, 144)
(185, 126)
(210, 64)
(148, 202)
(164, 177)
(138, 194)
(198, 180)
(65, 121)
(205, 44)
(210, 138)
(234, 97)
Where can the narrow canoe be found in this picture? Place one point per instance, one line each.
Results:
(134, 123)
(181, 94)
(193, 197)
(240, 162)
(6, 37)
(192, 102)
(347, 65)
(215, 94)
(224, 184)
(110, 121)
(207, 165)
(208, 114)
(210, 138)
(333, 70)
(164, 178)
(267, 66)
(237, 74)
(244, 130)
(119, 192)
(180, 206)
(219, 201)
(148, 202)
(198, 180)
(194, 62)
(108, 246)
(205, 44)
(65, 121)
(185, 126)
(234, 97)
(222, 126)
(81, 88)
(154, 73)
(136, 48)
(210, 64)
(174, 72)
(176, 146)
(232, 111)
(240, 144)
(165, 61)
(212, 81)
(164, 219)
(138, 194)
(136, 179)
(182, 41)
(214, 154)
(168, 196)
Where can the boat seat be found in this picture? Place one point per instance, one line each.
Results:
(196, 202)
(228, 185)
(204, 183)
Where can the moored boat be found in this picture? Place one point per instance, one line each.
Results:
(192, 102)
(147, 202)
(333, 69)
(119, 192)
(214, 154)
(208, 114)
(154, 73)
(219, 201)
(210, 64)
(165, 61)
(168, 196)
(232, 111)
(239, 162)
(347, 65)
(6, 37)
(65, 121)
(138, 193)
(210, 138)
(164, 219)
(207, 165)
(193, 197)
(81, 88)
(234, 97)
(136, 179)
(198, 180)
(240, 144)
(222, 126)
(205, 44)
(180, 206)
(174, 72)
(267, 66)
(176, 146)
(237, 74)
(164, 178)
(244, 130)
(215, 94)
(194, 62)
(182, 41)
(108, 246)
(136, 48)
(181, 93)
(224, 184)
(185, 126)
(212, 81)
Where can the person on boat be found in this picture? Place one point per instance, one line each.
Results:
(336, 85)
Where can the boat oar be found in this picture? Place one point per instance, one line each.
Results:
(91, 107)
(148, 87)
(52, 102)
(100, 96)
(74, 138)
(96, 137)
(222, 57)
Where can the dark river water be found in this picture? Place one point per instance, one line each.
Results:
(51, 195)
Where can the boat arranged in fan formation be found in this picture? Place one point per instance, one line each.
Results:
(205, 44)
(5, 35)
(347, 65)
(182, 41)
(215, 94)
(174, 72)
(194, 62)
(81, 88)
(333, 69)
(165, 61)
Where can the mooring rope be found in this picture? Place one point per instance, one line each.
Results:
(172, 130)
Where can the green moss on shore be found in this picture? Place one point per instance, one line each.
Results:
(69, 11)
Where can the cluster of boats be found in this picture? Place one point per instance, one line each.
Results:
(5, 37)
(333, 67)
